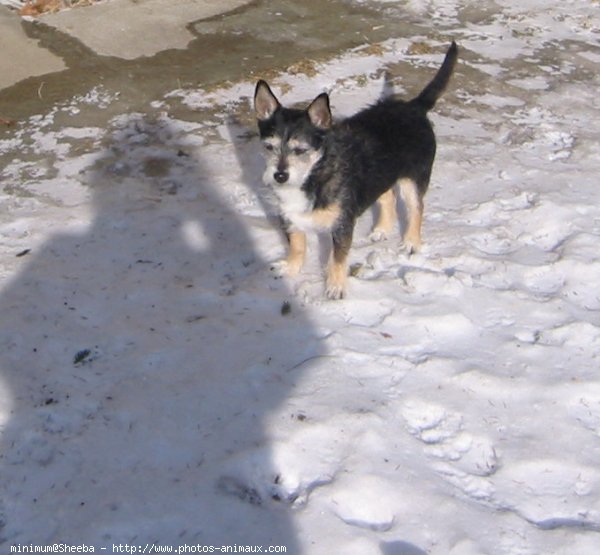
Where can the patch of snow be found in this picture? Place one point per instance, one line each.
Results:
(159, 385)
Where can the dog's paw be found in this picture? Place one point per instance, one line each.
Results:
(279, 268)
(335, 292)
(411, 246)
(378, 234)
(285, 268)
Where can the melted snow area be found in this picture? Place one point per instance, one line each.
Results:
(158, 385)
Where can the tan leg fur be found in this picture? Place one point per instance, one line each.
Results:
(297, 253)
(387, 216)
(414, 209)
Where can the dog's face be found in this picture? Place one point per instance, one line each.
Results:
(292, 139)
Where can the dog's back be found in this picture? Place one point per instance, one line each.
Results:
(384, 143)
(390, 140)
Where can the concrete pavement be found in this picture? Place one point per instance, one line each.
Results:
(125, 29)
(20, 56)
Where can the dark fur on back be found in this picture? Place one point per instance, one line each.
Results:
(369, 151)
(365, 154)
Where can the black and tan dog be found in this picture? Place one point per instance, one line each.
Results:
(325, 175)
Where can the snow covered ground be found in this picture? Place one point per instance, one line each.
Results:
(158, 386)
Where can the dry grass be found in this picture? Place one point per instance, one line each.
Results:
(39, 7)
(376, 49)
(420, 48)
(304, 67)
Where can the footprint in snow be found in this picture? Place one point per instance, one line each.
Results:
(465, 460)
(430, 423)
(494, 243)
(280, 473)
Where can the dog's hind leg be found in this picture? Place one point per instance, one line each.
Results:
(413, 201)
(337, 271)
(387, 217)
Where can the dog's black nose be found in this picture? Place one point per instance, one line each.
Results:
(281, 177)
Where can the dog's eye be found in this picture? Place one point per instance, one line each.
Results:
(269, 147)
(299, 151)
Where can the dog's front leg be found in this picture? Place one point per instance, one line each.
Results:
(293, 263)
(297, 252)
(337, 271)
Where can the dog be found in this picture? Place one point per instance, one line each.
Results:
(324, 175)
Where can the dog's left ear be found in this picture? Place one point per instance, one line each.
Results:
(265, 102)
(320, 113)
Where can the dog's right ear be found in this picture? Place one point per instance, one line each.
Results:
(265, 102)
(319, 112)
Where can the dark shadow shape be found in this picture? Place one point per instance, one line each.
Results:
(113, 347)
(400, 548)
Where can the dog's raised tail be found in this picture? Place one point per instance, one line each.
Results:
(430, 94)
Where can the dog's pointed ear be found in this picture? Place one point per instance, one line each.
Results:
(265, 102)
(319, 112)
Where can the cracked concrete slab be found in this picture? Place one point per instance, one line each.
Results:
(126, 29)
(130, 29)
(20, 56)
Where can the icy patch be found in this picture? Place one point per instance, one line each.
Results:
(591, 56)
(530, 83)
(496, 101)
(97, 96)
(7, 145)
(67, 192)
(82, 132)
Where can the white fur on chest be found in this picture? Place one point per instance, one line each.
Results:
(293, 202)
